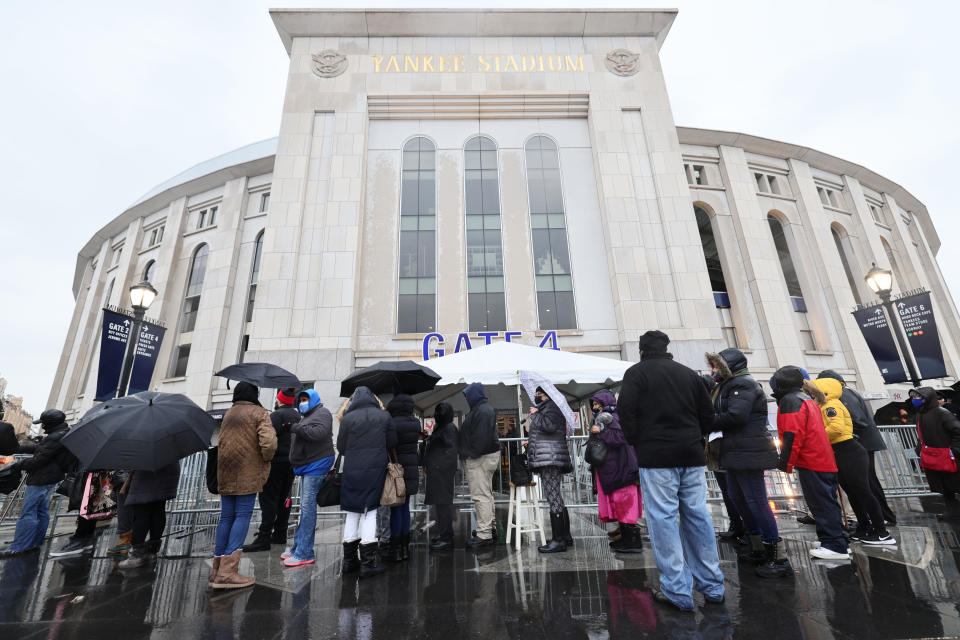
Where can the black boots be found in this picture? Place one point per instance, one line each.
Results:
(630, 540)
(399, 548)
(351, 561)
(775, 563)
(568, 539)
(260, 543)
(405, 545)
(735, 531)
(559, 542)
(369, 560)
(754, 550)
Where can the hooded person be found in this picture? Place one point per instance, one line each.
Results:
(867, 434)
(549, 457)
(247, 444)
(617, 481)
(146, 496)
(363, 440)
(745, 450)
(938, 427)
(804, 446)
(50, 461)
(479, 445)
(440, 465)
(311, 457)
(407, 430)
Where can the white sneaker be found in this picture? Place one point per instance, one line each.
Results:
(822, 553)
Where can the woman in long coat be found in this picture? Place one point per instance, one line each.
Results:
(440, 464)
(547, 455)
(407, 430)
(146, 495)
(363, 440)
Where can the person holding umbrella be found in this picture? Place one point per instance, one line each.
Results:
(407, 430)
(547, 455)
(247, 445)
(147, 494)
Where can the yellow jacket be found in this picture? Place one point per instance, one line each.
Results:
(836, 418)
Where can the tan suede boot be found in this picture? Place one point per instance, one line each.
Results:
(122, 547)
(227, 577)
(215, 570)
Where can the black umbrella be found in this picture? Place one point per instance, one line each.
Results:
(261, 374)
(405, 376)
(145, 431)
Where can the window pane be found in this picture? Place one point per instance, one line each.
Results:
(408, 253)
(190, 307)
(562, 283)
(496, 312)
(408, 200)
(408, 223)
(427, 204)
(710, 253)
(491, 196)
(547, 307)
(407, 313)
(197, 271)
(472, 192)
(181, 357)
(148, 272)
(558, 246)
(556, 221)
(538, 201)
(427, 259)
(425, 313)
(427, 223)
(477, 311)
(495, 284)
(427, 159)
(257, 251)
(251, 299)
(475, 285)
(471, 159)
(411, 160)
(488, 159)
(426, 285)
(539, 221)
(554, 197)
(544, 283)
(786, 262)
(566, 316)
(408, 286)
(543, 261)
(474, 222)
(491, 222)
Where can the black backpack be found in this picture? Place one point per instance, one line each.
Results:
(213, 486)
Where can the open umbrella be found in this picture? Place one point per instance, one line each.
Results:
(404, 376)
(145, 431)
(531, 380)
(261, 374)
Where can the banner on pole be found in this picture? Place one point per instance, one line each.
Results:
(876, 331)
(920, 325)
(113, 347)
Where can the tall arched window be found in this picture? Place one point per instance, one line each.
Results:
(188, 316)
(416, 303)
(551, 256)
(792, 281)
(485, 292)
(251, 293)
(718, 283)
(842, 243)
(148, 271)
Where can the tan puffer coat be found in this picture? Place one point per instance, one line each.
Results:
(247, 444)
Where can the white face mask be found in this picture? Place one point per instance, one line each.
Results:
(304, 407)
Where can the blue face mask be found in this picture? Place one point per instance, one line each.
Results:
(917, 402)
(304, 407)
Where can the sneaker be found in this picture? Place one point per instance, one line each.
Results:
(286, 554)
(75, 547)
(822, 553)
(858, 534)
(881, 537)
(295, 562)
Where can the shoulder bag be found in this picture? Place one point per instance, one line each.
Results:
(936, 458)
(394, 488)
(328, 494)
(596, 452)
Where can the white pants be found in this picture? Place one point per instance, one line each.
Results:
(361, 525)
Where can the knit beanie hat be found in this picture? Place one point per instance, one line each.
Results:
(654, 341)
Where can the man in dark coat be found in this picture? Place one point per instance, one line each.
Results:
(44, 471)
(480, 450)
(407, 430)
(665, 412)
(440, 464)
(867, 434)
(275, 497)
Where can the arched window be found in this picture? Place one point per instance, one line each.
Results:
(148, 271)
(842, 243)
(551, 256)
(416, 303)
(792, 281)
(718, 283)
(251, 293)
(892, 259)
(485, 291)
(188, 316)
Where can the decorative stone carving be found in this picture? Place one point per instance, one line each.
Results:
(329, 63)
(623, 62)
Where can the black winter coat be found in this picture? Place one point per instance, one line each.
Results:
(547, 446)
(363, 441)
(50, 461)
(665, 412)
(282, 420)
(740, 408)
(312, 437)
(406, 429)
(939, 428)
(440, 464)
(478, 433)
(8, 439)
(153, 486)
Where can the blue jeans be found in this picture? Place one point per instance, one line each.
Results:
(681, 533)
(400, 518)
(34, 518)
(235, 514)
(820, 493)
(749, 493)
(306, 533)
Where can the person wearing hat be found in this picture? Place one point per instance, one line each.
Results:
(274, 499)
(665, 413)
(44, 471)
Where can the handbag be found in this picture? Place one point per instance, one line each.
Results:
(213, 485)
(10, 479)
(72, 488)
(520, 473)
(936, 458)
(394, 488)
(99, 497)
(596, 452)
(328, 494)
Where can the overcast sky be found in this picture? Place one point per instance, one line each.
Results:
(104, 100)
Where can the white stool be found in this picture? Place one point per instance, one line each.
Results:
(524, 497)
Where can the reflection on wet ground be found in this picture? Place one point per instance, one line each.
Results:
(910, 591)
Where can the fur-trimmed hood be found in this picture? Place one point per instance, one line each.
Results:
(814, 392)
(727, 363)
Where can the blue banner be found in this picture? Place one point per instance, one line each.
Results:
(916, 315)
(876, 331)
(113, 347)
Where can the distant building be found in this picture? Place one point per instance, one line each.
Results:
(14, 414)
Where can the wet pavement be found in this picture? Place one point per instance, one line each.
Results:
(908, 591)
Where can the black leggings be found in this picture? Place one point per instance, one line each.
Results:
(150, 517)
(853, 464)
(550, 476)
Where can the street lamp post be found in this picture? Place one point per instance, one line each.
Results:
(141, 297)
(880, 282)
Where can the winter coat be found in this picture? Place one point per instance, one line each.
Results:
(50, 461)
(939, 428)
(803, 437)
(619, 468)
(836, 418)
(740, 406)
(282, 420)
(406, 429)
(665, 412)
(547, 446)
(864, 426)
(478, 433)
(8, 439)
(153, 486)
(247, 444)
(312, 437)
(363, 441)
(440, 461)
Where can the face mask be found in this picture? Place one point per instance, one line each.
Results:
(917, 402)
(304, 407)
(715, 375)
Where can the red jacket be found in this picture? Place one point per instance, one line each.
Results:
(798, 414)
